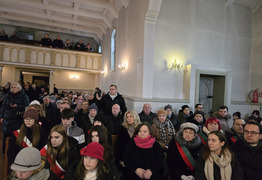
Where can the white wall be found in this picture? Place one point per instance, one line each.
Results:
(205, 33)
(129, 42)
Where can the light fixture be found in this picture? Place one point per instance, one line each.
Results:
(74, 77)
(122, 67)
(176, 64)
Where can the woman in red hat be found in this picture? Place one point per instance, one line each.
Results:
(93, 166)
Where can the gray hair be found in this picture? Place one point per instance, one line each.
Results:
(18, 85)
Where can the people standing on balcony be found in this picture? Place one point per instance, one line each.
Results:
(3, 35)
(46, 41)
(58, 43)
(14, 37)
(89, 48)
(80, 46)
(68, 45)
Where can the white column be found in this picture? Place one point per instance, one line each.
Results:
(51, 81)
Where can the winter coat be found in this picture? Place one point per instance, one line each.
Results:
(250, 158)
(183, 117)
(225, 122)
(14, 149)
(76, 132)
(13, 116)
(114, 123)
(148, 118)
(237, 172)
(174, 119)
(123, 140)
(150, 158)
(175, 162)
(106, 103)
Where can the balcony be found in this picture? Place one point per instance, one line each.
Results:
(21, 55)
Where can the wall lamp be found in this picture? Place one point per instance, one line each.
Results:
(74, 77)
(176, 64)
(122, 67)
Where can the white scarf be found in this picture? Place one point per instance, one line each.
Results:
(224, 163)
(91, 175)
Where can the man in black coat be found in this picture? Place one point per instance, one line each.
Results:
(46, 41)
(249, 151)
(147, 115)
(115, 120)
(236, 131)
(58, 43)
(111, 98)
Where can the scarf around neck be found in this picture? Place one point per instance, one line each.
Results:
(166, 130)
(224, 163)
(144, 143)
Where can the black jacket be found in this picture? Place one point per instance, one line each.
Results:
(14, 149)
(106, 103)
(114, 123)
(150, 158)
(250, 158)
(149, 118)
(13, 121)
(123, 140)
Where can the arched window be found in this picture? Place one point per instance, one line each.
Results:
(113, 49)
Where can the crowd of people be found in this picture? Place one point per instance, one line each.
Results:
(47, 42)
(70, 136)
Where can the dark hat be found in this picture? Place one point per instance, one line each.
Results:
(93, 106)
(184, 107)
(32, 113)
(94, 150)
(168, 107)
(255, 112)
(238, 114)
(28, 159)
(199, 112)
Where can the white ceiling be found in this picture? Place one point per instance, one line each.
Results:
(88, 18)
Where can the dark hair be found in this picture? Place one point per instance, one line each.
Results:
(197, 105)
(113, 85)
(222, 138)
(67, 113)
(139, 127)
(255, 123)
(223, 107)
(102, 134)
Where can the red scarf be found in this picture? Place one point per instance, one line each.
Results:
(144, 143)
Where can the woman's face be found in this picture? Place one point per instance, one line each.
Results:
(186, 111)
(189, 134)
(162, 117)
(56, 139)
(130, 119)
(198, 118)
(95, 137)
(214, 144)
(29, 122)
(90, 163)
(14, 89)
(143, 132)
(22, 175)
(213, 126)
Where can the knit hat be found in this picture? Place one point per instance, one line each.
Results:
(162, 111)
(32, 113)
(28, 159)
(255, 112)
(93, 106)
(35, 102)
(190, 126)
(238, 114)
(199, 112)
(168, 107)
(184, 107)
(94, 150)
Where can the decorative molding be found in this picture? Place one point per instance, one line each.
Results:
(151, 16)
(138, 99)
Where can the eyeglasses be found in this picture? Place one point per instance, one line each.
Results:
(250, 132)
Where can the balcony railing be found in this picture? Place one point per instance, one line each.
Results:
(53, 58)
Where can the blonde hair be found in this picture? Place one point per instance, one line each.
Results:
(17, 84)
(136, 118)
(39, 109)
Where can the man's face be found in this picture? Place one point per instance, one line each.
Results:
(46, 101)
(238, 125)
(115, 109)
(46, 35)
(112, 90)
(199, 108)
(251, 134)
(147, 108)
(63, 106)
(223, 112)
(67, 122)
(58, 37)
(169, 112)
(92, 113)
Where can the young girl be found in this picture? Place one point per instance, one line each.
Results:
(92, 165)
(217, 161)
(29, 135)
(61, 151)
